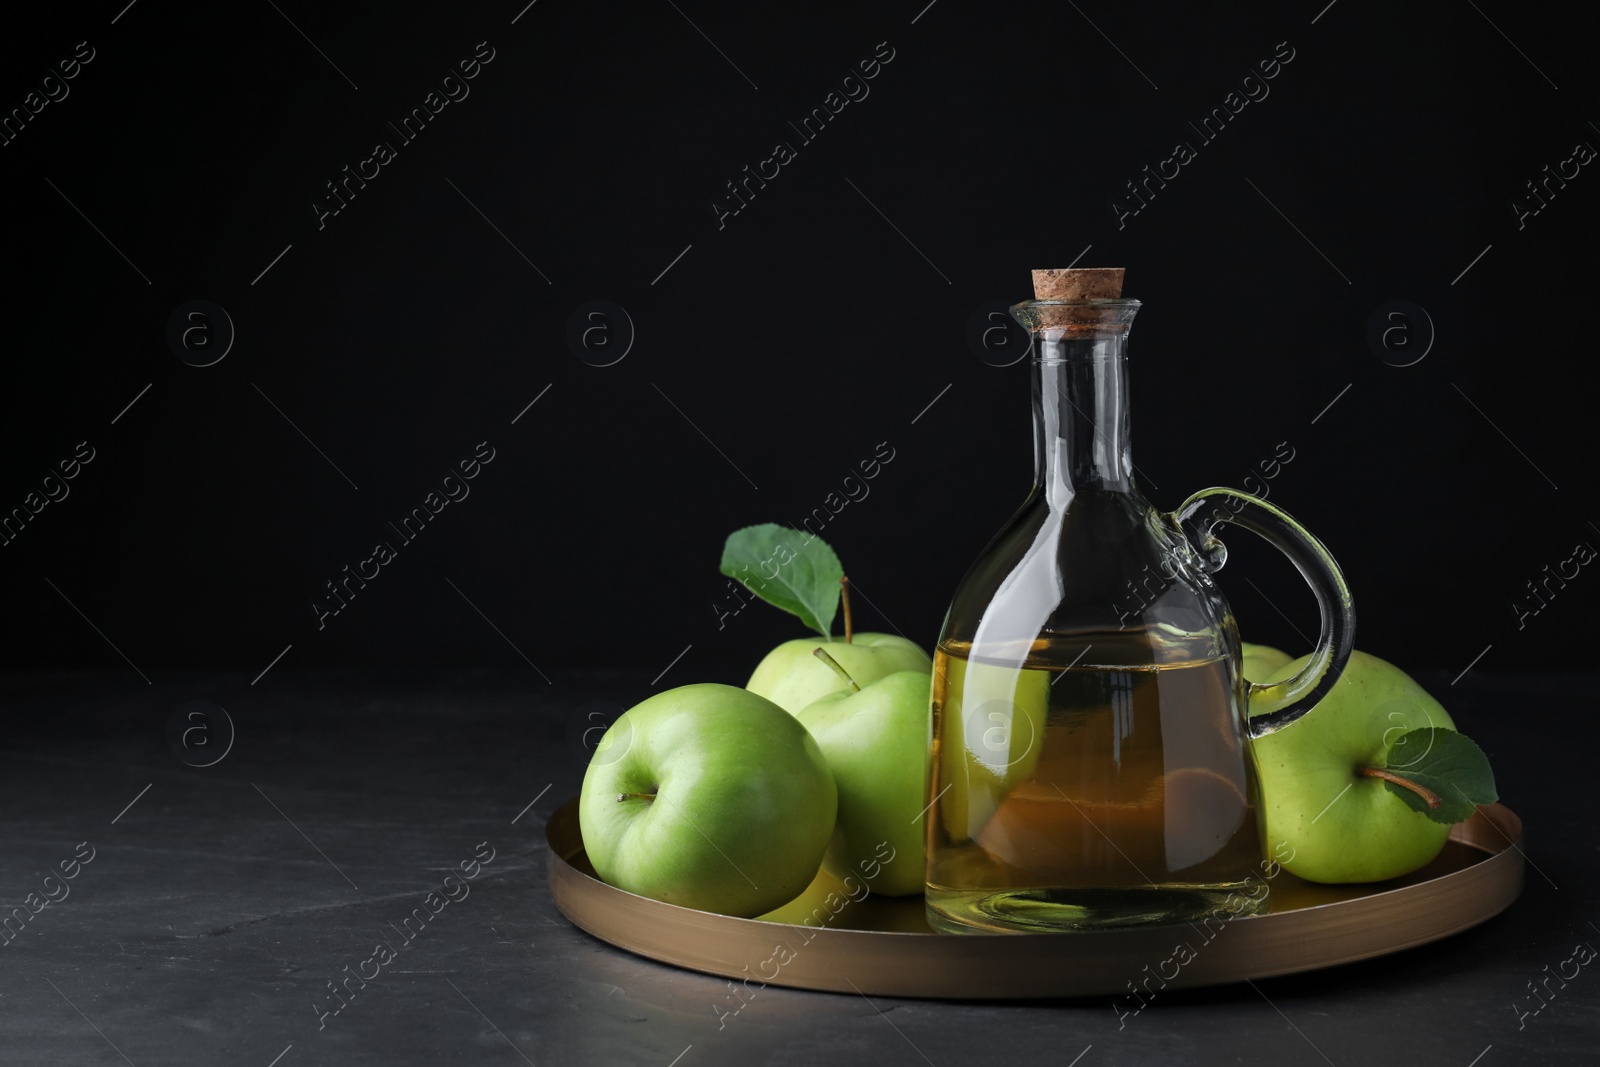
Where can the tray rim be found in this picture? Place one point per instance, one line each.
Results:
(1031, 966)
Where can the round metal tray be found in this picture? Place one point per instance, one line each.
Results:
(884, 946)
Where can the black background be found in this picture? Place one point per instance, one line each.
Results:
(818, 322)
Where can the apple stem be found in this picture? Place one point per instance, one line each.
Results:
(822, 654)
(844, 596)
(634, 796)
(1428, 795)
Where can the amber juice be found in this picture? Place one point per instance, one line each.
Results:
(1078, 785)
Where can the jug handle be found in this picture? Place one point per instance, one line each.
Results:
(1275, 705)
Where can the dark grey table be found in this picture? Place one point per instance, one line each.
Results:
(223, 904)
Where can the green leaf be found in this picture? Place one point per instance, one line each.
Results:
(789, 569)
(1449, 764)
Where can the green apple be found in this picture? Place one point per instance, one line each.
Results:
(876, 742)
(710, 797)
(1336, 822)
(992, 732)
(1260, 661)
(792, 678)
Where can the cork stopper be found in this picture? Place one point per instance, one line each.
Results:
(1080, 283)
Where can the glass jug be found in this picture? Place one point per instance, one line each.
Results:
(1090, 753)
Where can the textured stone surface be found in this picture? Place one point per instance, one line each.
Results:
(220, 904)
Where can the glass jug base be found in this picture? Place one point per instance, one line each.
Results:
(1055, 910)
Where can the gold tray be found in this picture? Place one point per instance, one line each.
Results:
(883, 946)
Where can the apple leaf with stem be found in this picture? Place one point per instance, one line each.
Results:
(789, 569)
(1438, 772)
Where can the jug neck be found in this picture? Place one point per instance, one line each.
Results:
(1081, 427)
